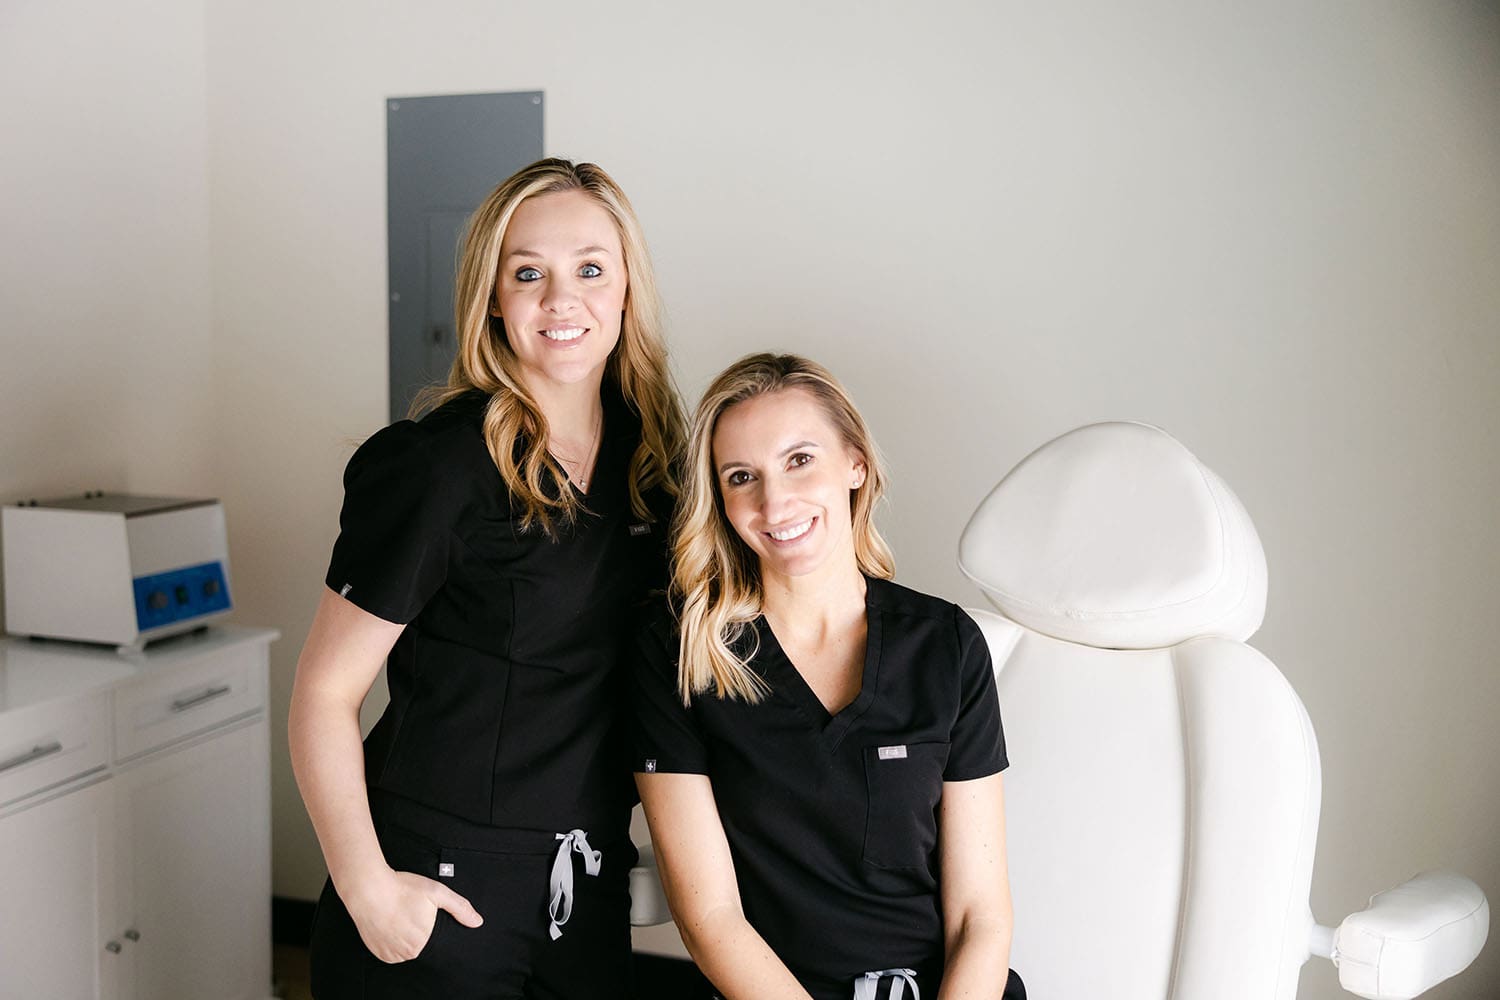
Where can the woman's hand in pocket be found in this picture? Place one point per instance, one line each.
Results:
(397, 914)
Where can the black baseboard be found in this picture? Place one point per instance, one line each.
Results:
(656, 976)
(291, 920)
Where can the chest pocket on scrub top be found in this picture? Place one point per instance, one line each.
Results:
(904, 782)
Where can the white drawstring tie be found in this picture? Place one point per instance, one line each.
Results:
(866, 985)
(560, 907)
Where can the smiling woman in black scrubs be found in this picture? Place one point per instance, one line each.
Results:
(818, 749)
(478, 842)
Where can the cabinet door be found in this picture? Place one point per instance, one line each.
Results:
(196, 856)
(56, 870)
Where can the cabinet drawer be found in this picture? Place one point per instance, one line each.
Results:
(161, 709)
(46, 745)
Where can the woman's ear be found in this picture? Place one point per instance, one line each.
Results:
(857, 477)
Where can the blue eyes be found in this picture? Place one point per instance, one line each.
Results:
(526, 275)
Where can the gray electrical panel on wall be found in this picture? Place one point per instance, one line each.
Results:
(443, 155)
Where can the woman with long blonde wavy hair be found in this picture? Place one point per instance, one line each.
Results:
(490, 554)
(818, 749)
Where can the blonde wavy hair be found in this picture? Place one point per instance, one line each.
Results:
(716, 583)
(485, 361)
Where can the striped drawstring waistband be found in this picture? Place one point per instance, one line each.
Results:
(866, 985)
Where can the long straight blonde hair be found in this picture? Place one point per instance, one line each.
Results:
(485, 361)
(716, 582)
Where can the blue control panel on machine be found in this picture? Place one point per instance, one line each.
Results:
(179, 594)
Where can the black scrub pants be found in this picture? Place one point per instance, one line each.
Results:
(505, 874)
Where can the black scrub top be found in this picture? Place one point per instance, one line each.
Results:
(504, 688)
(832, 820)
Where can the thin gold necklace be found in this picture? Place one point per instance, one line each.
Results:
(575, 468)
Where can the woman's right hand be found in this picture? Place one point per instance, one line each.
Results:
(396, 914)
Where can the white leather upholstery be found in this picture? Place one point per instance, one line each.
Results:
(1115, 536)
(1095, 820)
(1161, 813)
(1162, 801)
(648, 900)
(1412, 937)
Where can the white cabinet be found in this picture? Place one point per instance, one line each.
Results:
(135, 858)
(58, 897)
(195, 867)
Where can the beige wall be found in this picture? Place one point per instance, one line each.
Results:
(1273, 230)
(105, 310)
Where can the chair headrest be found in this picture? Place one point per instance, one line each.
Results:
(1115, 535)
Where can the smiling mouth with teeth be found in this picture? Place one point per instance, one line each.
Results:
(565, 333)
(795, 531)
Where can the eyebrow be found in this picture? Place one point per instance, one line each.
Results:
(725, 467)
(580, 252)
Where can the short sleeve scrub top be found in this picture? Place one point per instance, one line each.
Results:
(832, 819)
(499, 766)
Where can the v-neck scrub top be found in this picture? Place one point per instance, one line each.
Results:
(504, 691)
(832, 820)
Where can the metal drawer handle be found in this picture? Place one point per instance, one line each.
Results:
(183, 704)
(35, 753)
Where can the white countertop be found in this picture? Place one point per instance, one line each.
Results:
(36, 671)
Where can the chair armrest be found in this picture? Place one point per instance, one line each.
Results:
(648, 901)
(1412, 937)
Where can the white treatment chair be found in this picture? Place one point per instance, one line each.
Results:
(1162, 804)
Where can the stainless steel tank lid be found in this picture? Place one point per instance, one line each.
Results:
(128, 504)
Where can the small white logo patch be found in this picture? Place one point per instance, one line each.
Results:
(637, 530)
(344, 590)
(892, 753)
(445, 869)
(650, 764)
